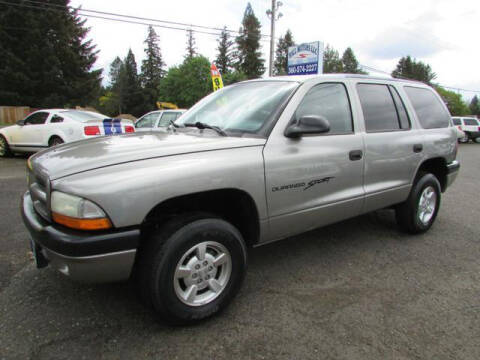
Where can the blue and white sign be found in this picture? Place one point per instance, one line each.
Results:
(305, 59)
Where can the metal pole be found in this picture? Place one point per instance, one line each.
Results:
(272, 35)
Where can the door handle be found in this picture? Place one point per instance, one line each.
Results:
(355, 155)
(417, 148)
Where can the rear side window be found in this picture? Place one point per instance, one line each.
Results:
(166, 118)
(56, 119)
(379, 109)
(456, 121)
(470, 122)
(329, 100)
(429, 109)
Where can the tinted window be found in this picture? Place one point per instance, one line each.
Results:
(148, 121)
(379, 110)
(429, 109)
(401, 111)
(329, 100)
(56, 119)
(470, 122)
(166, 118)
(37, 118)
(457, 121)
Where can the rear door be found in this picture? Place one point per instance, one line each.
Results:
(393, 150)
(316, 179)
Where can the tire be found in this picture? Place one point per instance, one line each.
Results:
(4, 148)
(54, 141)
(171, 267)
(411, 216)
(477, 140)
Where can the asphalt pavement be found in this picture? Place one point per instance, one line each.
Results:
(359, 289)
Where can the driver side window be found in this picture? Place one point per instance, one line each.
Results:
(36, 119)
(329, 100)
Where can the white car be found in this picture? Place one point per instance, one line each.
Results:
(45, 128)
(458, 130)
(157, 119)
(470, 126)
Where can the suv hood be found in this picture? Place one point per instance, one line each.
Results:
(104, 151)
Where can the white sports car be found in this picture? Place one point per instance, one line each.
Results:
(45, 128)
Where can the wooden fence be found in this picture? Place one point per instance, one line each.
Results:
(10, 114)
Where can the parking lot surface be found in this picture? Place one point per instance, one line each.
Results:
(358, 289)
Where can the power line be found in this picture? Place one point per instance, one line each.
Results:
(136, 17)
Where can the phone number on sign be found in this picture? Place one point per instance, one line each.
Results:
(302, 69)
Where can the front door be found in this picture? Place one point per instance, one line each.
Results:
(316, 179)
(31, 134)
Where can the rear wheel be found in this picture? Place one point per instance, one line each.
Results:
(477, 140)
(192, 268)
(54, 141)
(4, 148)
(417, 214)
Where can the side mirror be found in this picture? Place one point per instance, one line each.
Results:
(308, 124)
(20, 122)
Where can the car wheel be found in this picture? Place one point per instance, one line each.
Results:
(192, 268)
(477, 140)
(4, 148)
(417, 214)
(464, 139)
(55, 141)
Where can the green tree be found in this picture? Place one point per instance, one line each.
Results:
(454, 101)
(331, 61)
(474, 106)
(350, 63)
(152, 69)
(249, 56)
(132, 91)
(233, 77)
(45, 60)
(191, 48)
(408, 68)
(224, 59)
(184, 85)
(281, 53)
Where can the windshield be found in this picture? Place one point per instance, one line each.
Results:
(244, 108)
(83, 115)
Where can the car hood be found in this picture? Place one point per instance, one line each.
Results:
(104, 151)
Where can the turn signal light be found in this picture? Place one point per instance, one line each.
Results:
(91, 130)
(82, 224)
(129, 129)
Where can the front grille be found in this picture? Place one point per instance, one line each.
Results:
(39, 186)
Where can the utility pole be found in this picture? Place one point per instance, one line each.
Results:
(273, 17)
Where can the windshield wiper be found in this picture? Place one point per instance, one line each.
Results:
(201, 126)
(173, 123)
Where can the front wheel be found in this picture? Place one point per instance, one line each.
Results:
(4, 148)
(464, 139)
(192, 268)
(417, 214)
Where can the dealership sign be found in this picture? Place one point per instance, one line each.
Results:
(305, 59)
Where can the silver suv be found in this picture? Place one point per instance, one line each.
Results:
(255, 162)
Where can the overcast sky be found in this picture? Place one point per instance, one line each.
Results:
(442, 33)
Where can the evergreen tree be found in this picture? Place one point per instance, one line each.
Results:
(249, 56)
(349, 62)
(408, 68)
(224, 57)
(152, 69)
(331, 61)
(191, 49)
(474, 106)
(132, 94)
(50, 64)
(281, 54)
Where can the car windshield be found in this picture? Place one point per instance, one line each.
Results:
(242, 108)
(83, 115)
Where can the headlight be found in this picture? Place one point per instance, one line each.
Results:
(77, 213)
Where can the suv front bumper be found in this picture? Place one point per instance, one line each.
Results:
(84, 256)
